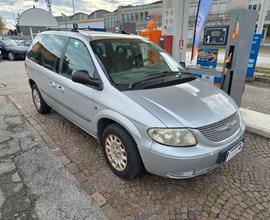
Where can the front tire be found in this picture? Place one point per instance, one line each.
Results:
(121, 152)
(11, 56)
(39, 102)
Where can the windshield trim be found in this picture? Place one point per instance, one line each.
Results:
(9, 45)
(126, 86)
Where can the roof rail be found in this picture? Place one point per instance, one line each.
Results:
(61, 29)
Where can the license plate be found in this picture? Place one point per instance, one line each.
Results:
(231, 153)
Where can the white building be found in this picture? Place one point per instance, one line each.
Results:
(138, 14)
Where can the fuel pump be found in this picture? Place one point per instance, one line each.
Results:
(242, 28)
(231, 77)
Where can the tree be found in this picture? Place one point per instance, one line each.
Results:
(2, 25)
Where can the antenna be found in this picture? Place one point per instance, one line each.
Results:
(49, 5)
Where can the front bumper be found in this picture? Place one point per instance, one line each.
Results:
(182, 163)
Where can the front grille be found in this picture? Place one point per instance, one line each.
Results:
(221, 130)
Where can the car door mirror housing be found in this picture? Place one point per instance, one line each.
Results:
(82, 77)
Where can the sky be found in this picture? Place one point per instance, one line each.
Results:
(7, 7)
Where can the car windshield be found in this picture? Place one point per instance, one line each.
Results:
(26, 43)
(10, 43)
(131, 61)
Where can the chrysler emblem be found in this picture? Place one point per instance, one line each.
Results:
(228, 126)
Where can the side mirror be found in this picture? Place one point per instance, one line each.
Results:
(82, 77)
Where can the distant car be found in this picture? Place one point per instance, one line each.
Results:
(26, 43)
(0, 55)
(12, 50)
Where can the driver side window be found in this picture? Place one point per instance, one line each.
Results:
(76, 58)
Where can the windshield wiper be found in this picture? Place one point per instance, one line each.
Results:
(155, 76)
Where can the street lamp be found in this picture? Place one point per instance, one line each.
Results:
(73, 7)
(12, 7)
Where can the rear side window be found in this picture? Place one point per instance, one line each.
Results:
(46, 50)
(77, 57)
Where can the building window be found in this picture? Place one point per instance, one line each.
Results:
(136, 16)
(128, 17)
(222, 8)
(254, 7)
(145, 14)
(250, 7)
(141, 16)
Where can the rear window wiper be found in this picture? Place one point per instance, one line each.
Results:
(155, 76)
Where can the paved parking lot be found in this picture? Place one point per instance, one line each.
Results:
(239, 189)
(256, 97)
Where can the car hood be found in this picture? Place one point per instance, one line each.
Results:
(193, 104)
(18, 48)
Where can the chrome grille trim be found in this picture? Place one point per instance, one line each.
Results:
(223, 129)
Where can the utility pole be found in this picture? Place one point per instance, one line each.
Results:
(73, 6)
(49, 5)
(12, 7)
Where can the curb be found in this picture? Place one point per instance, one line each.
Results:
(262, 79)
(256, 122)
(257, 130)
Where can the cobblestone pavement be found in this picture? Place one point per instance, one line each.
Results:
(257, 97)
(15, 201)
(239, 189)
(34, 184)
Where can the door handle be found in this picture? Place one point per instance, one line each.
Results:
(61, 88)
(52, 84)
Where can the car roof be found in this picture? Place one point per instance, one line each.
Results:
(93, 35)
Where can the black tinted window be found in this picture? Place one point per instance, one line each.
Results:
(46, 51)
(77, 57)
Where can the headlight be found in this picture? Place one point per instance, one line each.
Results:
(172, 137)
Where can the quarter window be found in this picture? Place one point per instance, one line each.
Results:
(76, 58)
(47, 50)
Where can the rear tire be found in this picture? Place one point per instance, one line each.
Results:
(39, 102)
(11, 56)
(121, 152)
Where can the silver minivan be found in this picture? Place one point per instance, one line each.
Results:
(147, 111)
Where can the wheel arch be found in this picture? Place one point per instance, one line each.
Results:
(107, 117)
(31, 82)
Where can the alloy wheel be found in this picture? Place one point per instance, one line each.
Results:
(10, 56)
(116, 152)
(36, 98)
